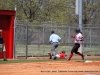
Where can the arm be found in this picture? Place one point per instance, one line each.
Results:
(50, 39)
(59, 39)
(82, 39)
(72, 36)
(63, 56)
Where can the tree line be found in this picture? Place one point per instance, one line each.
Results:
(53, 11)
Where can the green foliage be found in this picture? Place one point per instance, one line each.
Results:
(7, 4)
(91, 12)
(54, 11)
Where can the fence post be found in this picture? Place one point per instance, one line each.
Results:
(26, 39)
(90, 39)
(43, 40)
(14, 47)
(69, 38)
(83, 29)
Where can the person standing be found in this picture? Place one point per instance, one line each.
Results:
(78, 39)
(54, 39)
(2, 46)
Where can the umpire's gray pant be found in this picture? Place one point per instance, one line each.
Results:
(54, 46)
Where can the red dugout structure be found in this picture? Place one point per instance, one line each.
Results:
(7, 26)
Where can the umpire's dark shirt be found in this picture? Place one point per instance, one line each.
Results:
(1, 40)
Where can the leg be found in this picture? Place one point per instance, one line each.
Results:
(54, 46)
(57, 55)
(4, 53)
(50, 55)
(70, 56)
(81, 55)
(53, 50)
(80, 49)
(75, 48)
(76, 52)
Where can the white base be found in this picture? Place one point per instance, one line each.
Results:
(87, 61)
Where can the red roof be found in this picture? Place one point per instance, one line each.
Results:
(7, 12)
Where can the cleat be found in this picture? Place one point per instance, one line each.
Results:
(83, 60)
(50, 55)
(55, 58)
(5, 60)
(67, 59)
(50, 58)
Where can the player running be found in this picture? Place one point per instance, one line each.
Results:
(61, 55)
(55, 41)
(78, 39)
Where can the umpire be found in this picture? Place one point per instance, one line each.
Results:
(2, 47)
(55, 41)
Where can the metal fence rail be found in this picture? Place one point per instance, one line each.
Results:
(31, 39)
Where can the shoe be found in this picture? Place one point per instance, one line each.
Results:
(55, 58)
(50, 58)
(83, 60)
(67, 59)
(50, 55)
(5, 60)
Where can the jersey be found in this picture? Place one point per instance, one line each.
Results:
(78, 38)
(62, 55)
(54, 38)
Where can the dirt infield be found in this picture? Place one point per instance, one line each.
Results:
(73, 67)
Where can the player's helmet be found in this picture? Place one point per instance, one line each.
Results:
(52, 32)
(77, 30)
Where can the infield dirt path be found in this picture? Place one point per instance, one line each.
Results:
(51, 68)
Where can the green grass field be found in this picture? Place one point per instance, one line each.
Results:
(42, 50)
(43, 60)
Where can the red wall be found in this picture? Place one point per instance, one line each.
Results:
(7, 25)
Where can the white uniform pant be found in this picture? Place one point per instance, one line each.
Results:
(2, 47)
(80, 49)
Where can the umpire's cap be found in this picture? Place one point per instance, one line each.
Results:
(77, 30)
(52, 32)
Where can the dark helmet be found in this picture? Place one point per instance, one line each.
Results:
(77, 30)
(52, 32)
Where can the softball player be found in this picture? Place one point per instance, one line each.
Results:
(2, 46)
(61, 55)
(78, 39)
(55, 41)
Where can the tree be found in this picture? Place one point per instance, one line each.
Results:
(27, 9)
(54, 11)
(91, 11)
(46, 11)
(7, 4)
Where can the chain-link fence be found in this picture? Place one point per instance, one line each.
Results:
(32, 39)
